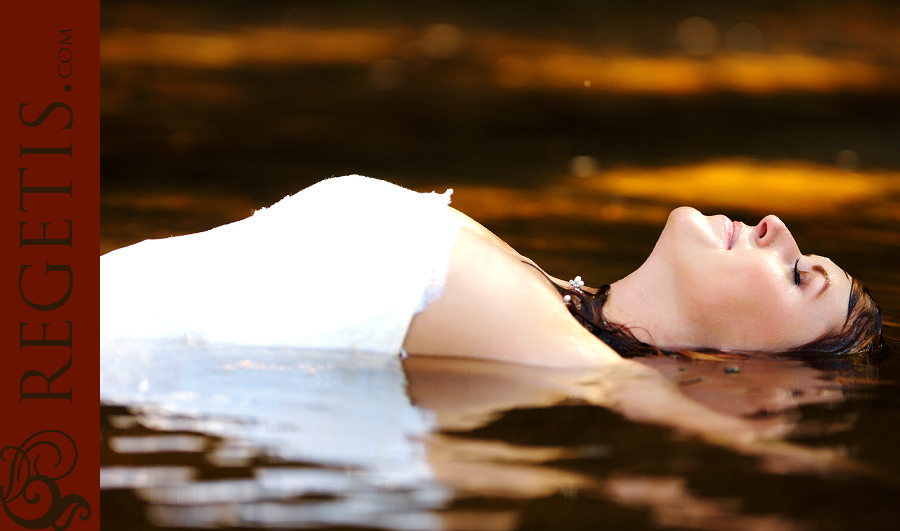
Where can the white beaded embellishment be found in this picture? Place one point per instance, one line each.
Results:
(577, 283)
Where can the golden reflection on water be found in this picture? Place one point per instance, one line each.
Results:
(646, 195)
(792, 187)
(750, 73)
(507, 61)
(249, 45)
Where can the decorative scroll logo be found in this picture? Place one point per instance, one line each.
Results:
(34, 468)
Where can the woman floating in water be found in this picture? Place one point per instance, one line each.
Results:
(367, 268)
(354, 263)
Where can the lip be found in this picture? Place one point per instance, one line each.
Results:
(736, 227)
(732, 231)
(728, 232)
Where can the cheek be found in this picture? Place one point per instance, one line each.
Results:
(762, 315)
(741, 291)
(744, 302)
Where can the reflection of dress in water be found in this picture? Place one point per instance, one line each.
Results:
(343, 264)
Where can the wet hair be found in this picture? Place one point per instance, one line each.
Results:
(860, 337)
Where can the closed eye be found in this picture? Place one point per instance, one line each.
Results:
(804, 277)
(800, 277)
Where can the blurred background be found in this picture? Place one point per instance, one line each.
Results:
(570, 129)
(595, 109)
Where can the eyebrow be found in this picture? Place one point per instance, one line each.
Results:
(818, 268)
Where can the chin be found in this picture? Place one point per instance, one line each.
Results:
(687, 226)
(687, 245)
(682, 211)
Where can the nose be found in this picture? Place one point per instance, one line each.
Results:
(773, 234)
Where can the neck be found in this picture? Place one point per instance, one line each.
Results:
(650, 308)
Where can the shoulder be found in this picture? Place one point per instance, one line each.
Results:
(496, 306)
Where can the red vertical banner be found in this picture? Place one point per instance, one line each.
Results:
(49, 265)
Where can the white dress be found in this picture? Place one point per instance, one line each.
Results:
(343, 264)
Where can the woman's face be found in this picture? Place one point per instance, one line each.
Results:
(749, 287)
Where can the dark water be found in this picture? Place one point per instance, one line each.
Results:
(195, 140)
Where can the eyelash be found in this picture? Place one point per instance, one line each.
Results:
(798, 278)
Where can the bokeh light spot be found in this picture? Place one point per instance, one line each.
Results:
(582, 166)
